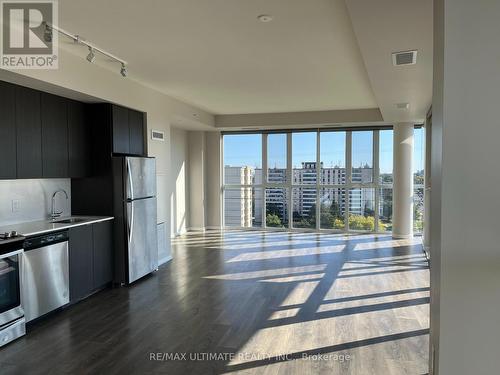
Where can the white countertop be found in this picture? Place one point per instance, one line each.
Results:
(33, 228)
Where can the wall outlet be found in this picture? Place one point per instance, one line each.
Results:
(16, 205)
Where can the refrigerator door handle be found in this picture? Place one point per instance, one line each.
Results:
(130, 221)
(130, 188)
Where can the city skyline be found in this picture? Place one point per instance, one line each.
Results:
(246, 150)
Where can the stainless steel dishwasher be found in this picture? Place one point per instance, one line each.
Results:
(45, 274)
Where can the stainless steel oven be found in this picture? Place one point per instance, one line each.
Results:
(12, 322)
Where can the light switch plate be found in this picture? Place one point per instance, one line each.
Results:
(16, 205)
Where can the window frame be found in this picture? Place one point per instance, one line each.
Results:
(289, 185)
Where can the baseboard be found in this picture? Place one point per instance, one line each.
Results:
(213, 227)
(196, 229)
(402, 236)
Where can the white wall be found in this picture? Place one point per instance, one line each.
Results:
(465, 250)
(179, 181)
(76, 74)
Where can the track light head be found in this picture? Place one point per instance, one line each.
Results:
(123, 70)
(91, 55)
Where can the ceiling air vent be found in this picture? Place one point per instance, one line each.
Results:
(404, 58)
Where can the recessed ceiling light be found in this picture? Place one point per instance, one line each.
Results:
(403, 105)
(265, 18)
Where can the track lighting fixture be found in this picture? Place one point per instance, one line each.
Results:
(123, 70)
(91, 55)
(93, 49)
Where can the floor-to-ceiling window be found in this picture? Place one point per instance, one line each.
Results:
(337, 180)
(333, 180)
(385, 180)
(243, 192)
(418, 179)
(277, 191)
(304, 179)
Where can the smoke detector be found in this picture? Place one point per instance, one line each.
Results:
(404, 58)
(265, 18)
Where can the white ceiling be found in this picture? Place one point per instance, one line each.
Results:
(386, 26)
(216, 55)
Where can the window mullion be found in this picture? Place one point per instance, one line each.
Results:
(318, 179)
(264, 180)
(289, 178)
(348, 164)
(376, 174)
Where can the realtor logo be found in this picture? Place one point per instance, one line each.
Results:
(28, 40)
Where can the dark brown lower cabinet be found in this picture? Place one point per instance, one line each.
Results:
(102, 254)
(90, 258)
(80, 262)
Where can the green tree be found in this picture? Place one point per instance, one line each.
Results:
(311, 216)
(335, 210)
(338, 224)
(274, 209)
(368, 211)
(273, 220)
(360, 222)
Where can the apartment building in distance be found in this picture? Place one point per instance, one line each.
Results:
(243, 205)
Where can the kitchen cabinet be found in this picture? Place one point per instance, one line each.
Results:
(121, 133)
(54, 114)
(8, 169)
(136, 130)
(102, 238)
(78, 141)
(90, 258)
(42, 135)
(28, 133)
(128, 131)
(80, 262)
(48, 136)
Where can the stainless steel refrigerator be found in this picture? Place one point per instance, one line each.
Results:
(136, 243)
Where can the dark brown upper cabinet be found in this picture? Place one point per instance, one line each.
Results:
(121, 134)
(128, 131)
(8, 169)
(29, 133)
(78, 141)
(45, 135)
(136, 129)
(54, 136)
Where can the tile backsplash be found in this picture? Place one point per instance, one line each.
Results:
(31, 200)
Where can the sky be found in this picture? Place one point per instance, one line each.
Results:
(246, 149)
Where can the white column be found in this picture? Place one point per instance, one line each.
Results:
(196, 178)
(402, 206)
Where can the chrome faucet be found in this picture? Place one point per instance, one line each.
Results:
(54, 214)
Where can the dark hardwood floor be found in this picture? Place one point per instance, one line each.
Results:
(258, 303)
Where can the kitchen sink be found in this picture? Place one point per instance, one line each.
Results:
(71, 220)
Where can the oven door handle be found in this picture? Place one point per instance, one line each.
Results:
(8, 255)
